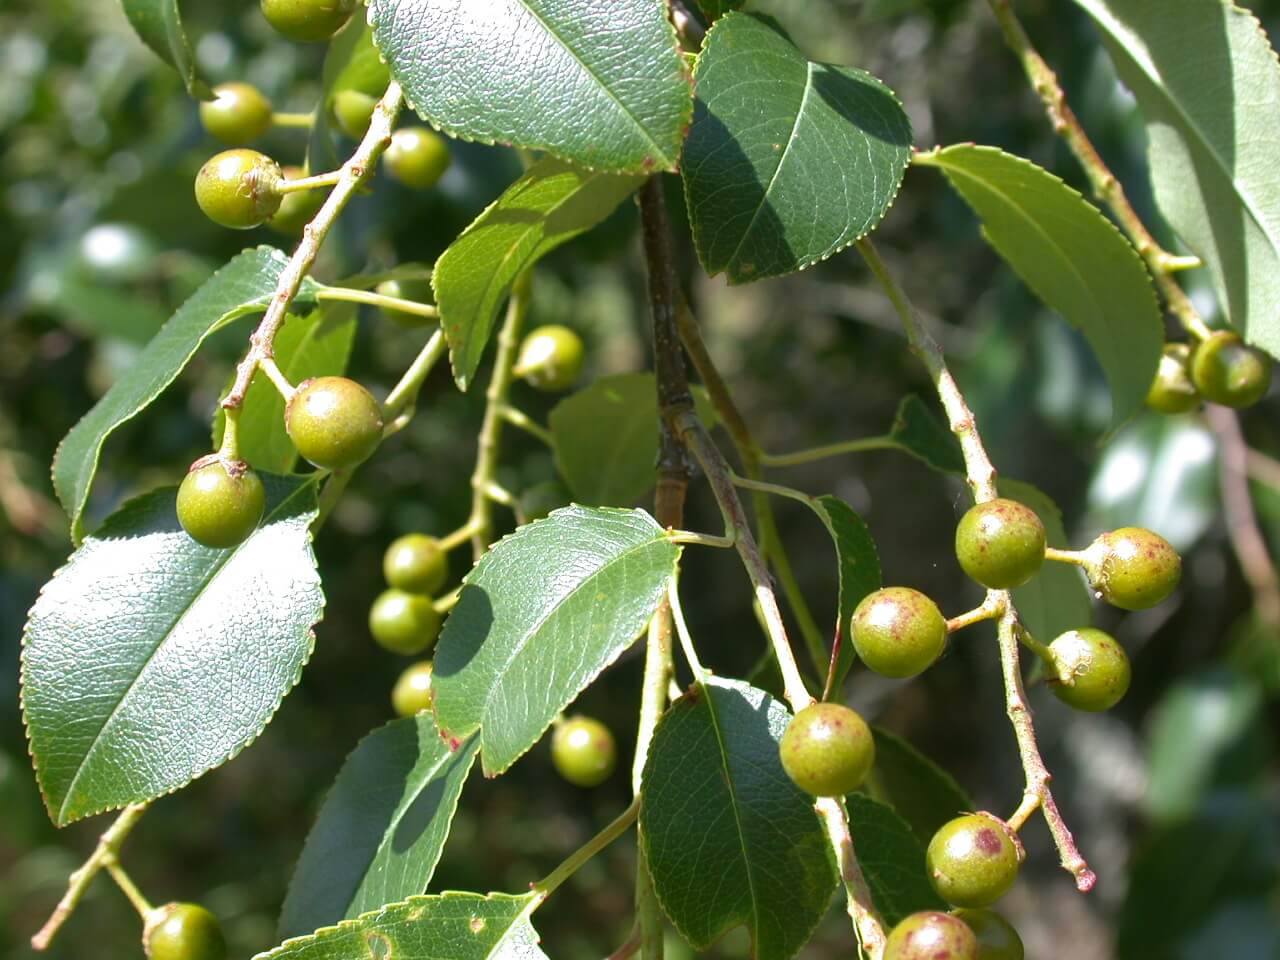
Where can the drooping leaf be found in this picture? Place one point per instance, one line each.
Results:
(243, 286)
(158, 23)
(918, 790)
(350, 63)
(551, 204)
(1208, 85)
(918, 432)
(149, 659)
(892, 860)
(788, 161)
(729, 839)
(541, 614)
(382, 827)
(1070, 255)
(608, 92)
(859, 566)
(451, 926)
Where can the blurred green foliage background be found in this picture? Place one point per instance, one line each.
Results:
(1174, 796)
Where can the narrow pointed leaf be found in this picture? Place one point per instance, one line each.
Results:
(892, 860)
(859, 566)
(1071, 256)
(605, 88)
(729, 839)
(788, 161)
(541, 614)
(158, 24)
(149, 659)
(918, 790)
(382, 827)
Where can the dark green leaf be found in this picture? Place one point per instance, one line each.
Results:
(788, 161)
(892, 860)
(149, 659)
(715, 9)
(917, 432)
(158, 24)
(919, 791)
(859, 566)
(1057, 598)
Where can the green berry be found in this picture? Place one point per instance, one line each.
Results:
(220, 501)
(415, 563)
(827, 750)
(237, 114)
(550, 358)
(1172, 390)
(417, 157)
(334, 422)
(412, 693)
(353, 110)
(1000, 543)
(416, 290)
(972, 860)
(1132, 568)
(308, 21)
(237, 188)
(930, 935)
(404, 622)
(183, 931)
(1096, 665)
(296, 207)
(898, 632)
(583, 751)
(1228, 372)
(997, 939)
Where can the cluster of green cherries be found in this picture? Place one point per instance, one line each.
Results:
(828, 749)
(1221, 368)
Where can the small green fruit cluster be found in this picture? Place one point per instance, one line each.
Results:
(220, 501)
(237, 114)
(898, 632)
(404, 618)
(417, 157)
(550, 358)
(183, 931)
(1221, 369)
(827, 750)
(334, 422)
(239, 188)
(412, 693)
(583, 751)
(1000, 543)
(308, 21)
(973, 860)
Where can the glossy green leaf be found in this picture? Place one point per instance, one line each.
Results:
(541, 614)
(605, 438)
(788, 161)
(351, 62)
(158, 23)
(1208, 84)
(551, 204)
(859, 566)
(452, 926)
(892, 860)
(918, 432)
(1071, 256)
(382, 827)
(608, 92)
(149, 659)
(918, 790)
(243, 286)
(729, 839)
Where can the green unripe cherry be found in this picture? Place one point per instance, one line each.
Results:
(412, 693)
(334, 422)
(308, 21)
(1172, 390)
(1228, 372)
(997, 938)
(1000, 543)
(931, 935)
(220, 501)
(404, 622)
(418, 290)
(353, 110)
(583, 751)
(550, 358)
(972, 860)
(296, 207)
(237, 114)
(898, 632)
(827, 750)
(237, 188)
(1097, 666)
(417, 157)
(183, 931)
(1132, 568)
(415, 563)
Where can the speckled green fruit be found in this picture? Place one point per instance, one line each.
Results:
(334, 422)
(997, 939)
(296, 208)
(417, 157)
(550, 358)
(237, 114)
(583, 751)
(308, 21)
(352, 110)
(183, 931)
(237, 188)
(827, 750)
(1097, 665)
(930, 935)
(415, 563)
(412, 692)
(404, 622)
(1228, 372)
(1132, 568)
(220, 502)
(418, 290)
(972, 860)
(898, 632)
(1172, 390)
(1000, 543)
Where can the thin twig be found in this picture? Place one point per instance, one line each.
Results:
(621, 823)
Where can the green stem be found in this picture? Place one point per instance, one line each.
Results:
(548, 884)
(300, 184)
(229, 449)
(1075, 557)
(700, 673)
(405, 392)
(300, 120)
(700, 539)
(416, 307)
(827, 451)
(520, 419)
(989, 609)
(130, 889)
(278, 380)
